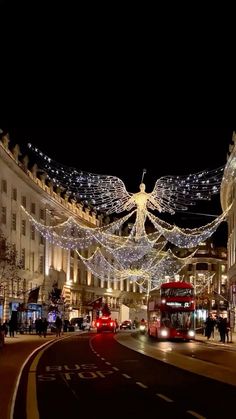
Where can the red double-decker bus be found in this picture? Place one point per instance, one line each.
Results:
(171, 311)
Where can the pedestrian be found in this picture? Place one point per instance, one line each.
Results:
(58, 324)
(5, 328)
(227, 329)
(40, 326)
(30, 325)
(222, 329)
(209, 327)
(11, 328)
(44, 327)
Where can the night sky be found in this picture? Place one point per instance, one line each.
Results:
(125, 152)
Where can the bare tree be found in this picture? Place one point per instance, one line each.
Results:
(10, 268)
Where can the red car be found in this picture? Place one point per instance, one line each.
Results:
(105, 324)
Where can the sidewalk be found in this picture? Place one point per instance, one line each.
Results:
(12, 356)
(216, 339)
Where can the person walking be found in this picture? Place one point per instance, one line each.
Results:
(30, 325)
(11, 328)
(209, 327)
(58, 324)
(44, 327)
(222, 328)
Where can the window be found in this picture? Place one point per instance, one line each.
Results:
(23, 201)
(41, 264)
(223, 268)
(13, 222)
(223, 279)
(202, 266)
(42, 216)
(32, 233)
(71, 272)
(23, 227)
(41, 239)
(32, 207)
(23, 258)
(14, 194)
(4, 215)
(32, 261)
(2, 246)
(4, 185)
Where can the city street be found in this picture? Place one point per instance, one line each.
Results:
(98, 375)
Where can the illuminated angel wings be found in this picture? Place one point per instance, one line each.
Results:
(108, 193)
(176, 193)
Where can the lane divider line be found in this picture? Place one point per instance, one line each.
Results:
(126, 376)
(141, 384)
(162, 396)
(195, 414)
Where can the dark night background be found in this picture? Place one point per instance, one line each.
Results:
(125, 152)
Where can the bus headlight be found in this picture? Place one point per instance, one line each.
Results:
(164, 333)
(191, 333)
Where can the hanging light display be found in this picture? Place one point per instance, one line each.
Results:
(148, 273)
(138, 256)
(170, 193)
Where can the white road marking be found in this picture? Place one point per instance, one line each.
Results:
(196, 415)
(141, 384)
(164, 397)
(115, 368)
(126, 376)
(108, 363)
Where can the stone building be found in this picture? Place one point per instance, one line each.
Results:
(208, 273)
(228, 197)
(46, 265)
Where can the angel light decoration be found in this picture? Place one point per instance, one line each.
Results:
(170, 194)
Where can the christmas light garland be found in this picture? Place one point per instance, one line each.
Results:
(108, 193)
(138, 257)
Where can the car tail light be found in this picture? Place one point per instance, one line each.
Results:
(111, 324)
(97, 324)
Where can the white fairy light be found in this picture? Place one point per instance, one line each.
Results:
(72, 235)
(139, 256)
(153, 270)
(187, 238)
(170, 193)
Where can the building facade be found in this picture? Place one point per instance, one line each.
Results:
(45, 265)
(228, 200)
(208, 273)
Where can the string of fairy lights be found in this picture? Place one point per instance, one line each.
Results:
(149, 271)
(138, 256)
(105, 192)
